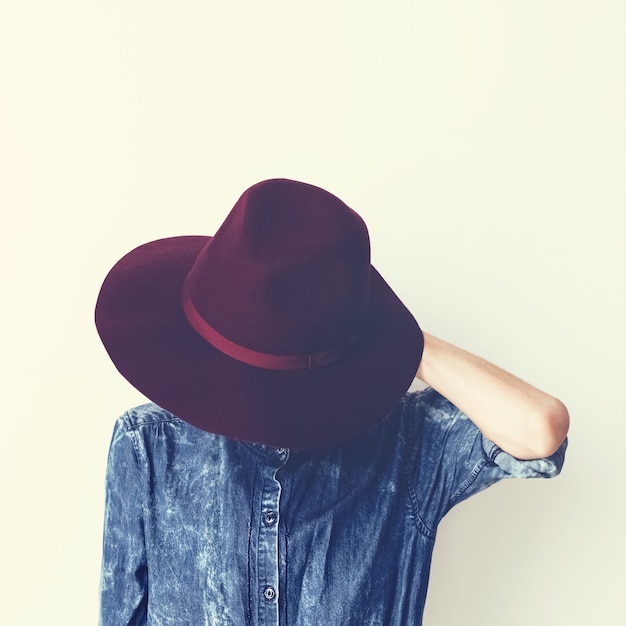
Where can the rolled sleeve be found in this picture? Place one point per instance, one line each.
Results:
(455, 461)
(548, 467)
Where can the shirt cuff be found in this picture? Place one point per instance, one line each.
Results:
(534, 468)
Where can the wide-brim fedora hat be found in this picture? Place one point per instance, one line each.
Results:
(276, 330)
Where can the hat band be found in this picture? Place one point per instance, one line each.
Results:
(262, 360)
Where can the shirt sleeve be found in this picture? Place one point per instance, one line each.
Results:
(454, 461)
(124, 575)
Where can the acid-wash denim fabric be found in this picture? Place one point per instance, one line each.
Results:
(205, 530)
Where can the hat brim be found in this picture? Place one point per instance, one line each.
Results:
(140, 319)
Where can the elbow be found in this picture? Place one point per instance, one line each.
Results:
(551, 427)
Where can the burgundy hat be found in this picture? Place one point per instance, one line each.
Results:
(277, 330)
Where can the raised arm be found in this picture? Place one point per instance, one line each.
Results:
(524, 421)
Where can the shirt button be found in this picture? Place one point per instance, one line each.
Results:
(269, 593)
(270, 518)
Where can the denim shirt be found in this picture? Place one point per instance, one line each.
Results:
(205, 530)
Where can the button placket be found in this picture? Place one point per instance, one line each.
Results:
(267, 550)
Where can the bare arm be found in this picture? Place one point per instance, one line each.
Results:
(524, 421)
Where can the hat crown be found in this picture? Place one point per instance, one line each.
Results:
(288, 272)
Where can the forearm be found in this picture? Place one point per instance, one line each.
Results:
(524, 421)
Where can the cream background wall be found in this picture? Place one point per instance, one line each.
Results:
(484, 144)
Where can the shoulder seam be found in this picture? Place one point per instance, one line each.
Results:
(140, 416)
(131, 425)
